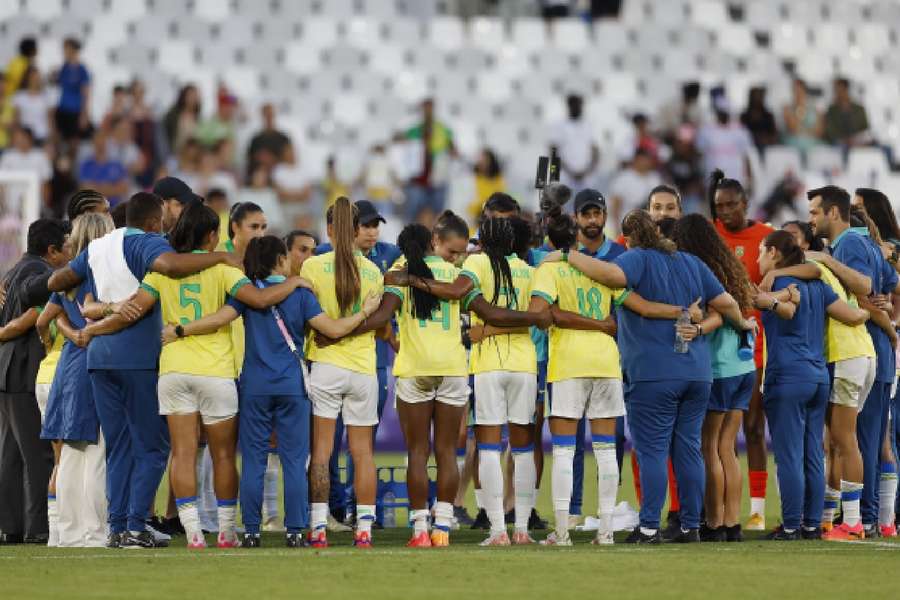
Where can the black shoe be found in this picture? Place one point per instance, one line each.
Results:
(463, 517)
(780, 535)
(294, 540)
(811, 534)
(171, 526)
(639, 537)
(535, 522)
(673, 526)
(251, 540)
(510, 517)
(11, 538)
(838, 519)
(377, 525)
(690, 536)
(710, 534)
(114, 540)
(481, 520)
(872, 531)
(143, 539)
(40, 538)
(733, 533)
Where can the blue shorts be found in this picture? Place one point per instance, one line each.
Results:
(542, 381)
(732, 393)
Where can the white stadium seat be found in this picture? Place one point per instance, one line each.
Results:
(447, 33)
(865, 161)
(780, 160)
(529, 34)
(488, 33)
(176, 56)
(570, 34)
(824, 158)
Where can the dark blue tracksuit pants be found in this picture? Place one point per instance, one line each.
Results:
(871, 425)
(796, 416)
(666, 417)
(137, 443)
(289, 417)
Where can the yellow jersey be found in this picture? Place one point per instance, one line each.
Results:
(508, 352)
(47, 368)
(355, 353)
(843, 342)
(574, 352)
(188, 299)
(431, 347)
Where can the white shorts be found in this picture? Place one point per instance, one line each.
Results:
(505, 397)
(215, 398)
(337, 391)
(445, 389)
(42, 393)
(853, 380)
(591, 397)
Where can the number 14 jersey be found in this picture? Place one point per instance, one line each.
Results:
(573, 352)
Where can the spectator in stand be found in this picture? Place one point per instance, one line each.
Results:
(332, 186)
(103, 173)
(685, 110)
(573, 141)
(221, 125)
(212, 175)
(426, 192)
(802, 120)
(7, 115)
(119, 108)
(72, 116)
(378, 179)
(63, 184)
(294, 187)
(120, 145)
(22, 155)
(187, 164)
(846, 123)
(684, 169)
(182, 119)
(555, 9)
(641, 138)
(34, 106)
(631, 187)
(725, 144)
(16, 68)
(217, 200)
(146, 135)
(488, 181)
(759, 120)
(267, 146)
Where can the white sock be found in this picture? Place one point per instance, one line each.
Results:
(420, 521)
(460, 459)
(832, 499)
(491, 485)
(188, 515)
(887, 493)
(318, 515)
(850, 494)
(443, 515)
(561, 479)
(607, 478)
(270, 487)
(524, 477)
(479, 498)
(52, 521)
(365, 516)
(758, 506)
(206, 495)
(226, 511)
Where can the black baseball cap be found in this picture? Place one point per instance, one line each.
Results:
(172, 187)
(587, 198)
(367, 212)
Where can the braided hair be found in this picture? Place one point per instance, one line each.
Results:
(415, 243)
(84, 201)
(497, 238)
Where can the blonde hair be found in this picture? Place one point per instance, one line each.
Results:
(87, 228)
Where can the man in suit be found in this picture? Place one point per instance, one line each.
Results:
(25, 459)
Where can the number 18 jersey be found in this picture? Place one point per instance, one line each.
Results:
(573, 352)
(432, 347)
(188, 299)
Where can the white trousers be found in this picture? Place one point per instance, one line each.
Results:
(81, 494)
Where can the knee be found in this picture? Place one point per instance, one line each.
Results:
(755, 431)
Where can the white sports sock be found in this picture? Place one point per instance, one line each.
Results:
(270, 487)
(188, 515)
(52, 521)
(365, 516)
(832, 499)
(318, 515)
(607, 478)
(887, 493)
(491, 485)
(226, 511)
(758, 506)
(525, 475)
(479, 498)
(460, 460)
(443, 515)
(420, 520)
(206, 495)
(561, 479)
(850, 494)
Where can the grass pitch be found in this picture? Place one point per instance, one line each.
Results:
(754, 569)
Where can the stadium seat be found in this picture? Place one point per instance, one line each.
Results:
(570, 34)
(65, 26)
(789, 40)
(885, 11)
(244, 81)
(343, 58)
(298, 58)
(848, 13)
(711, 14)
(610, 38)
(175, 56)
(387, 58)
(236, 31)
(493, 88)
(780, 160)
(212, 10)
(760, 15)
(736, 39)
(672, 13)
(832, 38)
(872, 38)
(633, 12)
(339, 9)
(865, 161)
(404, 31)
(429, 58)
(447, 33)
(136, 57)
(319, 32)
(411, 86)
(824, 158)
(469, 60)
(511, 61)
(217, 56)
(292, 9)
(815, 67)
(487, 33)
(528, 34)
(363, 33)
(382, 9)
(43, 10)
(19, 26)
(350, 109)
(275, 30)
(150, 30)
(128, 9)
(262, 55)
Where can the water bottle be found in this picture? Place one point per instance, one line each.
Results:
(746, 346)
(390, 514)
(681, 344)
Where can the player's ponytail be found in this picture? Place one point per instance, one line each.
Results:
(497, 238)
(562, 231)
(642, 232)
(786, 244)
(415, 243)
(193, 228)
(449, 223)
(344, 220)
(262, 256)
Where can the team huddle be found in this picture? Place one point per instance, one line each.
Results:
(132, 348)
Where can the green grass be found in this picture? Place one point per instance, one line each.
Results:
(754, 569)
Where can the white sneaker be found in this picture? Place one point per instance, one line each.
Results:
(273, 523)
(335, 526)
(501, 538)
(159, 536)
(557, 540)
(603, 538)
(53, 538)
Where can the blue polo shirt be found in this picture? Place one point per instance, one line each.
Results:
(138, 345)
(383, 254)
(109, 172)
(71, 79)
(270, 368)
(648, 345)
(859, 252)
(797, 346)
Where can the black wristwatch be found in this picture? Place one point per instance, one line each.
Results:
(179, 331)
(893, 257)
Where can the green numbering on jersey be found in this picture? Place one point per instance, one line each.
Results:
(441, 315)
(590, 303)
(183, 290)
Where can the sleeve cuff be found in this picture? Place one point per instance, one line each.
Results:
(471, 276)
(620, 299)
(150, 290)
(393, 290)
(469, 297)
(238, 285)
(543, 295)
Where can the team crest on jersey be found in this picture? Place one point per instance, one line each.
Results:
(739, 251)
